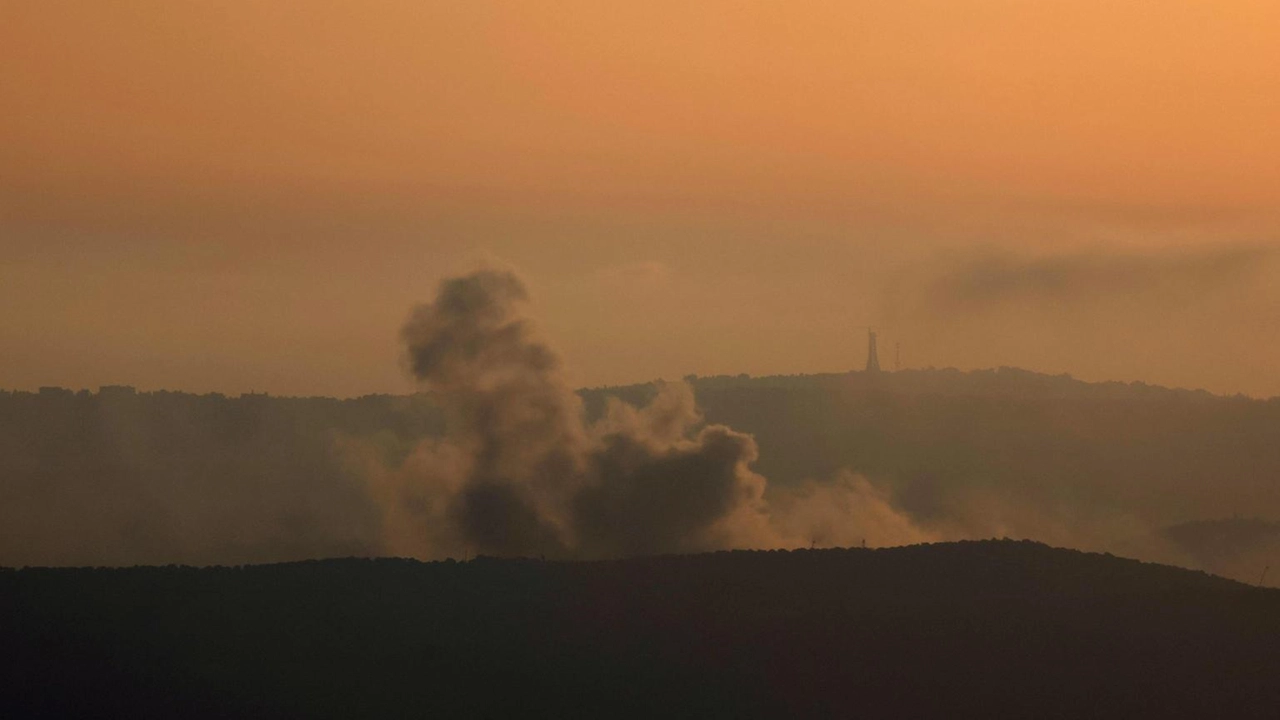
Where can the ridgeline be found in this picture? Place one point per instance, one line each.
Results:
(970, 629)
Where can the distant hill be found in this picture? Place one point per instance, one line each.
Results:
(120, 477)
(1011, 452)
(970, 629)
(1247, 548)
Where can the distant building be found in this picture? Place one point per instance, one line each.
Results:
(116, 391)
(873, 358)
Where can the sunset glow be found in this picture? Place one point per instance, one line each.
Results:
(233, 196)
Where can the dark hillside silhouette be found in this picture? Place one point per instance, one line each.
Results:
(973, 629)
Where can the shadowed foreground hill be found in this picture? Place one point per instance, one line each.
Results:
(974, 629)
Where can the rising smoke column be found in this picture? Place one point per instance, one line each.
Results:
(520, 473)
(512, 417)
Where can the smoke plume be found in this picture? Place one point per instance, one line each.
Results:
(520, 472)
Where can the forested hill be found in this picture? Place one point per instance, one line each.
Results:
(971, 629)
(921, 424)
(118, 477)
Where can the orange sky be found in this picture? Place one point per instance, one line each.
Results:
(244, 195)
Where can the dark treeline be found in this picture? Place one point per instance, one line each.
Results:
(118, 477)
(973, 629)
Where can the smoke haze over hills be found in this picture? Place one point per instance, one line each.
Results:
(280, 241)
(521, 473)
(500, 456)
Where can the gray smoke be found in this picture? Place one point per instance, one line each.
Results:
(510, 413)
(533, 478)
(521, 472)
(992, 278)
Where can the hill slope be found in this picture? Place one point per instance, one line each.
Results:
(996, 628)
(120, 478)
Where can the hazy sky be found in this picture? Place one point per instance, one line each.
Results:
(250, 195)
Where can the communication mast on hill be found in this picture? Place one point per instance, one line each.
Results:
(873, 358)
